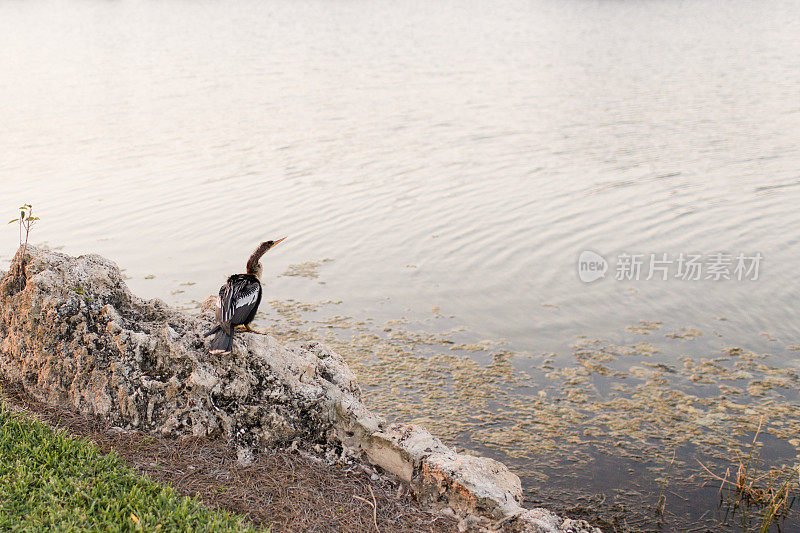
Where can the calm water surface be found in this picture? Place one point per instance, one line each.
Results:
(450, 154)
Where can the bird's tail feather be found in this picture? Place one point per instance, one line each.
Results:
(216, 329)
(222, 342)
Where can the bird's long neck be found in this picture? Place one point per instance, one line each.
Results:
(254, 266)
(254, 263)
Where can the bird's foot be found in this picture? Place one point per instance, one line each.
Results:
(248, 329)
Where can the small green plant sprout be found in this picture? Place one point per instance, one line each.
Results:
(25, 221)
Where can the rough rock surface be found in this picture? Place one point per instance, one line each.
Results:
(72, 333)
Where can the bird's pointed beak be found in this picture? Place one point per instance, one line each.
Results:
(276, 243)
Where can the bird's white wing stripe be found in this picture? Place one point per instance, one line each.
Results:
(246, 299)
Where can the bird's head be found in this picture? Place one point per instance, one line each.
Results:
(254, 263)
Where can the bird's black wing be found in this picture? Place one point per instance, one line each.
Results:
(223, 308)
(238, 299)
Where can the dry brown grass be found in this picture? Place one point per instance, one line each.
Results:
(285, 490)
(769, 493)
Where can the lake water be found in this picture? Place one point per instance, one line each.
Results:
(438, 168)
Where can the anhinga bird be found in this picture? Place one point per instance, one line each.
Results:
(238, 301)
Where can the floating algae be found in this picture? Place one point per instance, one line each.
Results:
(644, 327)
(481, 346)
(685, 333)
(555, 414)
(309, 269)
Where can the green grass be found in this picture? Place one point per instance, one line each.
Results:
(49, 481)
